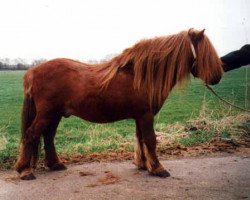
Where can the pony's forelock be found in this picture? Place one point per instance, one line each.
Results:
(209, 64)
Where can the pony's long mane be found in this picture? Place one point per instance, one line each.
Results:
(158, 64)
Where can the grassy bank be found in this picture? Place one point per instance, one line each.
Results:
(77, 136)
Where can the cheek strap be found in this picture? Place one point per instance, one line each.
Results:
(193, 50)
(194, 54)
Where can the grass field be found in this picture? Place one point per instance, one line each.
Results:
(75, 135)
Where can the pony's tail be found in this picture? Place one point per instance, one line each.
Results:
(27, 117)
(28, 114)
(29, 109)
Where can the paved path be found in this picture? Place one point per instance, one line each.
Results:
(199, 178)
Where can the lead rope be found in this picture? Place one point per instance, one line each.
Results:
(225, 101)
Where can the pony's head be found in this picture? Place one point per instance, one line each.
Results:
(207, 65)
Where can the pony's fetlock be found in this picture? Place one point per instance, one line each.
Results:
(140, 165)
(19, 166)
(27, 174)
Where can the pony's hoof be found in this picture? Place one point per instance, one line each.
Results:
(162, 174)
(27, 177)
(58, 167)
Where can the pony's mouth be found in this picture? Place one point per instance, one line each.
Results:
(214, 81)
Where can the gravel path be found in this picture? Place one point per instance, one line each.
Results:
(199, 178)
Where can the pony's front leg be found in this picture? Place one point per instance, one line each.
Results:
(139, 157)
(149, 146)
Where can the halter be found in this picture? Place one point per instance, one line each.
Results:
(193, 50)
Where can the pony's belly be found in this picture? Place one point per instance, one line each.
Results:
(98, 117)
(108, 106)
(103, 113)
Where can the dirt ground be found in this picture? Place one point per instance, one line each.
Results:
(219, 177)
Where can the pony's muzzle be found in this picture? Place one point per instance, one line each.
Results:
(214, 81)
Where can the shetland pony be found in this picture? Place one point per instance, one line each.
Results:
(133, 85)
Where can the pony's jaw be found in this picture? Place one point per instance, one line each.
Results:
(214, 81)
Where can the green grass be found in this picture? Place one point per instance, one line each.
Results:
(75, 135)
(196, 137)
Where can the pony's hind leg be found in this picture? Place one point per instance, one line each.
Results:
(29, 148)
(35, 155)
(29, 155)
(51, 159)
(139, 157)
(149, 147)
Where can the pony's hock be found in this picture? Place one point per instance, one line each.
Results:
(134, 85)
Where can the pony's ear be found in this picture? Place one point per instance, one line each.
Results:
(196, 35)
(200, 34)
(191, 32)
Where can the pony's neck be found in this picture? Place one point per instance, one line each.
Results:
(158, 65)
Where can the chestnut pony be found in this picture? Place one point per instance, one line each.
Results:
(134, 85)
